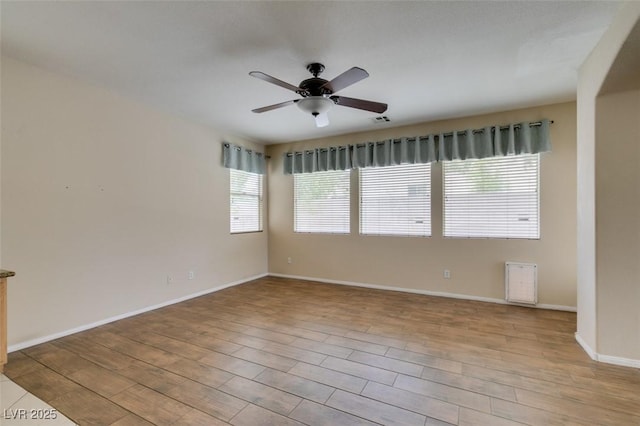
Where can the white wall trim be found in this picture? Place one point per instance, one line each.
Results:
(608, 359)
(626, 362)
(592, 354)
(425, 292)
(616, 360)
(44, 339)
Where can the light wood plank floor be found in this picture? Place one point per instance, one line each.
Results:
(279, 352)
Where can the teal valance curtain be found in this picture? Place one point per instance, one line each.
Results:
(492, 141)
(240, 158)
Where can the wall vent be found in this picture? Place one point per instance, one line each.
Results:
(381, 119)
(521, 282)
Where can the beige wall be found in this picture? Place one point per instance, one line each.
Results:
(599, 292)
(102, 198)
(618, 224)
(477, 265)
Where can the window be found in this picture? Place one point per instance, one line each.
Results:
(493, 198)
(321, 202)
(396, 200)
(246, 201)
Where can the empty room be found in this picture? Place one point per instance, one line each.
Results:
(320, 213)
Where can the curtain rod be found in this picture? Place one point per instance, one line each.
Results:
(239, 148)
(397, 140)
(474, 131)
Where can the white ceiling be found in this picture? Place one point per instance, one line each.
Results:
(427, 60)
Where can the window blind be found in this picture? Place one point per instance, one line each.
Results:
(246, 201)
(492, 198)
(396, 200)
(321, 202)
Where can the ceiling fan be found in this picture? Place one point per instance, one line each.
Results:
(318, 93)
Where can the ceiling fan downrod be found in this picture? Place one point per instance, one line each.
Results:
(315, 68)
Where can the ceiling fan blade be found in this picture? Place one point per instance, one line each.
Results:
(345, 79)
(275, 106)
(322, 120)
(273, 80)
(360, 104)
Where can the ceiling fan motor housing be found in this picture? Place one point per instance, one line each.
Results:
(314, 86)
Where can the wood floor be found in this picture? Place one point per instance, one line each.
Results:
(278, 352)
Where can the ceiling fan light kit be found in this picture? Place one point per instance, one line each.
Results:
(318, 93)
(316, 106)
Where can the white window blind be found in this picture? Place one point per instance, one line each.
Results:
(321, 202)
(495, 197)
(246, 201)
(396, 200)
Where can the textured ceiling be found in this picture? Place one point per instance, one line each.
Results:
(427, 60)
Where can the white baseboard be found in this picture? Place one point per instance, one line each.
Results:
(616, 360)
(425, 292)
(592, 354)
(608, 359)
(626, 362)
(44, 339)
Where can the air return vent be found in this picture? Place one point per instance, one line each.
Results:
(521, 283)
(381, 119)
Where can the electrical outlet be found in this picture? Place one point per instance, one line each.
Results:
(191, 275)
(447, 274)
(169, 280)
(289, 260)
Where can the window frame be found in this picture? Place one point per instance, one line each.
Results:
(423, 170)
(234, 174)
(301, 224)
(476, 235)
